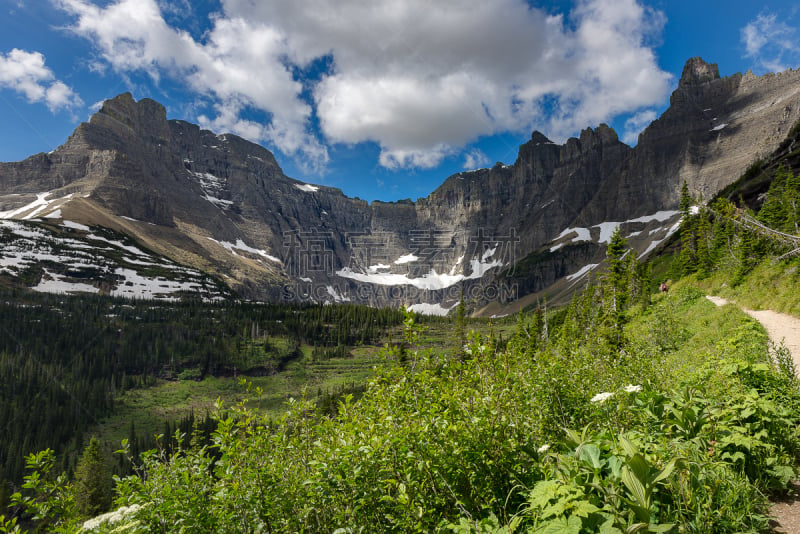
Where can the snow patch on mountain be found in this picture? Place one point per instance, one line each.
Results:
(429, 281)
(607, 229)
(379, 267)
(76, 226)
(308, 188)
(408, 258)
(54, 283)
(574, 277)
(432, 280)
(425, 308)
(336, 296)
(40, 206)
(64, 264)
(659, 216)
(582, 234)
(141, 287)
(213, 187)
(242, 246)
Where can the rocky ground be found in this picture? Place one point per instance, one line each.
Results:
(784, 329)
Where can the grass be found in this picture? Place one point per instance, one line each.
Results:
(681, 335)
(770, 286)
(171, 400)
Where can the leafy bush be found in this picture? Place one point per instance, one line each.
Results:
(474, 441)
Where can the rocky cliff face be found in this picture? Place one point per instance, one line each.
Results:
(222, 204)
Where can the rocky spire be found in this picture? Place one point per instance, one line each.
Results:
(697, 71)
(538, 138)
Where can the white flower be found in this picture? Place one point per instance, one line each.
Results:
(601, 397)
(544, 448)
(110, 518)
(630, 388)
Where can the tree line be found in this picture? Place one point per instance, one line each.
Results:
(717, 234)
(65, 359)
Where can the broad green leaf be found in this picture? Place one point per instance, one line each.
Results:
(663, 527)
(584, 508)
(667, 471)
(609, 528)
(590, 454)
(635, 487)
(640, 467)
(542, 492)
(560, 526)
(628, 447)
(616, 463)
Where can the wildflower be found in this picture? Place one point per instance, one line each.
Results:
(110, 518)
(544, 448)
(601, 397)
(632, 389)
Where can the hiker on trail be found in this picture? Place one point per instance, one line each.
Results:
(663, 287)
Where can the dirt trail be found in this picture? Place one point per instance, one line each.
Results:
(784, 329)
(780, 327)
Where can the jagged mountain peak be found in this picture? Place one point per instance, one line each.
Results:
(223, 204)
(127, 110)
(538, 138)
(603, 134)
(123, 120)
(697, 71)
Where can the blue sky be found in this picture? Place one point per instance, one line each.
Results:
(383, 99)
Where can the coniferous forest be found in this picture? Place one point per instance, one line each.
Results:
(64, 360)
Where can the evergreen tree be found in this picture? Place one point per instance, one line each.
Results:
(617, 278)
(686, 201)
(774, 211)
(746, 255)
(93, 481)
(688, 255)
(792, 202)
(702, 237)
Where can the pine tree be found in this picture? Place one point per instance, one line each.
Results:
(615, 292)
(617, 278)
(702, 236)
(93, 481)
(747, 256)
(774, 211)
(688, 257)
(686, 201)
(792, 202)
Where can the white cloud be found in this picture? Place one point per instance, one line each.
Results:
(475, 159)
(771, 43)
(26, 73)
(425, 78)
(422, 158)
(635, 125)
(239, 64)
(419, 78)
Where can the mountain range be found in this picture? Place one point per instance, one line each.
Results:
(221, 206)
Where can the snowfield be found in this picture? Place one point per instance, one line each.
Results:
(84, 262)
